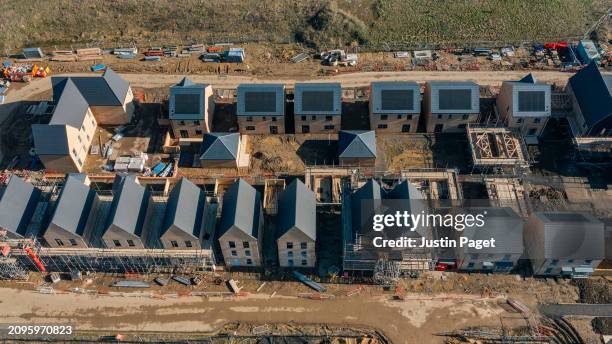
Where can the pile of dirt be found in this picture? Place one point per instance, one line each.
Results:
(597, 290)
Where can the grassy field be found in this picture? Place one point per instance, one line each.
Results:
(318, 23)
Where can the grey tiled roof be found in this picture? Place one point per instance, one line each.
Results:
(592, 92)
(74, 205)
(454, 97)
(365, 202)
(185, 208)
(260, 99)
(395, 97)
(220, 146)
(502, 224)
(50, 139)
(110, 89)
(357, 144)
(569, 235)
(71, 108)
(186, 101)
(297, 209)
(318, 98)
(129, 207)
(241, 209)
(17, 205)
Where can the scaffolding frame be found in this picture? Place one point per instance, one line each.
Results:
(496, 147)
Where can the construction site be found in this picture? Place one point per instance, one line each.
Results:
(226, 192)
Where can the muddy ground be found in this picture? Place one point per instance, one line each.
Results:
(432, 304)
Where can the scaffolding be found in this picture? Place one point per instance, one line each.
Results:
(386, 271)
(357, 258)
(138, 261)
(496, 147)
(440, 183)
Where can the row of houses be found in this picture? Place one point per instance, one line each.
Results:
(394, 107)
(75, 219)
(555, 243)
(82, 103)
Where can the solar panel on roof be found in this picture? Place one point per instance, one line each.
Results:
(531, 101)
(566, 217)
(260, 101)
(397, 99)
(187, 104)
(318, 101)
(455, 99)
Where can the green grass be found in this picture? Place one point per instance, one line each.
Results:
(320, 23)
(473, 21)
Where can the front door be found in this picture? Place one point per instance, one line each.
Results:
(305, 129)
(273, 129)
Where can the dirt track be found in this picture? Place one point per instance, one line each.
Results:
(401, 321)
(348, 80)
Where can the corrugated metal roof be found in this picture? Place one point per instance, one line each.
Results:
(318, 98)
(220, 146)
(129, 207)
(260, 100)
(185, 208)
(50, 139)
(74, 205)
(17, 205)
(109, 89)
(297, 209)
(395, 97)
(357, 144)
(592, 94)
(241, 209)
(570, 235)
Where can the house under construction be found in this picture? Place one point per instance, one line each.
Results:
(358, 207)
(496, 147)
(19, 254)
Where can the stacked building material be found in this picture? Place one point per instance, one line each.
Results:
(88, 54)
(63, 56)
